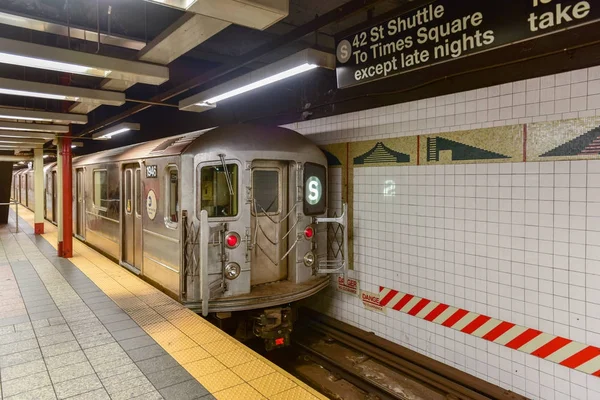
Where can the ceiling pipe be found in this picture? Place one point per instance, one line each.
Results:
(332, 16)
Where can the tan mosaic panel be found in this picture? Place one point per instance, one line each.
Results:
(485, 145)
(556, 137)
(382, 151)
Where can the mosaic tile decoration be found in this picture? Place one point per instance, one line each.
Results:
(381, 154)
(388, 152)
(499, 144)
(564, 140)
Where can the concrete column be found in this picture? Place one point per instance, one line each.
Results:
(38, 189)
(59, 195)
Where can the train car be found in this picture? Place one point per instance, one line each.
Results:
(22, 190)
(230, 221)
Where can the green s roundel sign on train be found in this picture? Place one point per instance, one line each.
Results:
(314, 189)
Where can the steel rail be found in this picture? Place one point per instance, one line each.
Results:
(417, 366)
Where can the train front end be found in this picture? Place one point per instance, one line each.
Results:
(256, 238)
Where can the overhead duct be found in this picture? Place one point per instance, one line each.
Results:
(256, 14)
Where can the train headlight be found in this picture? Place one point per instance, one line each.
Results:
(232, 240)
(309, 259)
(232, 270)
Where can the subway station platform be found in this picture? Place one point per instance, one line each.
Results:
(85, 328)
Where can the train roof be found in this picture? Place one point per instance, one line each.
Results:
(230, 137)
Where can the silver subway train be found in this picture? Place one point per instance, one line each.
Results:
(230, 221)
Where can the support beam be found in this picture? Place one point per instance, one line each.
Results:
(67, 198)
(182, 36)
(38, 188)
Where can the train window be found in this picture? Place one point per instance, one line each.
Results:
(101, 189)
(219, 195)
(128, 190)
(265, 187)
(138, 193)
(173, 197)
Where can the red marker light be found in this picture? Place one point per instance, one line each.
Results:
(309, 232)
(232, 240)
(279, 341)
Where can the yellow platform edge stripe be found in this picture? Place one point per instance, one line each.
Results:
(224, 366)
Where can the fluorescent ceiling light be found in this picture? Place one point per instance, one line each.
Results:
(37, 94)
(295, 64)
(263, 82)
(33, 127)
(76, 62)
(58, 92)
(34, 62)
(30, 135)
(42, 116)
(115, 130)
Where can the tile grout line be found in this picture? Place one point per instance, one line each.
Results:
(31, 322)
(69, 326)
(110, 333)
(297, 383)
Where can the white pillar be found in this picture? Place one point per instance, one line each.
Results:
(38, 189)
(59, 195)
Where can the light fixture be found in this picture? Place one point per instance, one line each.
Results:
(115, 130)
(58, 92)
(255, 14)
(33, 127)
(76, 62)
(27, 134)
(295, 64)
(45, 156)
(42, 116)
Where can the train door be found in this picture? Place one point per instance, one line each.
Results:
(79, 203)
(269, 221)
(54, 199)
(131, 247)
(26, 189)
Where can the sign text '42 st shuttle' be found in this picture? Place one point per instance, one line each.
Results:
(448, 29)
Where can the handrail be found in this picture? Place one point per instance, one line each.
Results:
(16, 212)
(204, 287)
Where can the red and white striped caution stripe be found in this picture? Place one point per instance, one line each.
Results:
(557, 349)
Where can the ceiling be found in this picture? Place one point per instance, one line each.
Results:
(201, 52)
(126, 26)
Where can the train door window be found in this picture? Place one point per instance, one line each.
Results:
(128, 190)
(100, 189)
(265, 188)
(138, 193)
(219, 191)
(172, 193)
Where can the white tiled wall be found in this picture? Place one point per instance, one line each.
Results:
(515, 241)
(554, 97)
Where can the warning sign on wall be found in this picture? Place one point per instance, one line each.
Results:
(371, 301)
(348, 285)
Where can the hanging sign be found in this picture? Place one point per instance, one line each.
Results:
(446, 30)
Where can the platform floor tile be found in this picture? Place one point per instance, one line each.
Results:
(122, 332)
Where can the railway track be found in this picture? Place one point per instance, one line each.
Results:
(344, 362)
